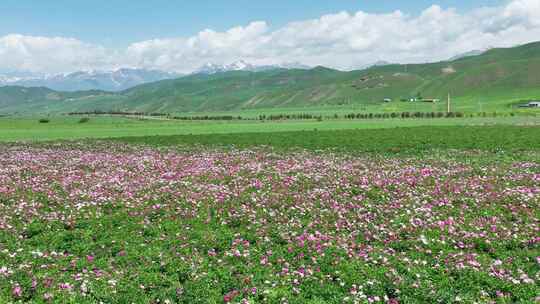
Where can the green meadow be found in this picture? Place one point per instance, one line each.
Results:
(62, 127)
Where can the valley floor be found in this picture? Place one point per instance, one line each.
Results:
(29, 129)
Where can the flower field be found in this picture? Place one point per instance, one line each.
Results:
(132, 224)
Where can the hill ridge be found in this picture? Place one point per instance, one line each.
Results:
(499, 73)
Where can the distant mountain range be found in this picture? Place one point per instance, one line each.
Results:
(241, 65)
(122, 79)
(116, 80)
(497, 76)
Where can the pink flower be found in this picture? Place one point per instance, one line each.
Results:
(90, 258)
(230, 296)
(66, 286)
(17, 291)
(426, 172)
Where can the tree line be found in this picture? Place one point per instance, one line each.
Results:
(302, 116)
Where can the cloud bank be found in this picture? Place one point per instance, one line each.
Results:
(342, 40)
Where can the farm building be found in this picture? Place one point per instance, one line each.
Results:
(531, 104)
(387, 100)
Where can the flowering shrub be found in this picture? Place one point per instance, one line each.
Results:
(118, 224)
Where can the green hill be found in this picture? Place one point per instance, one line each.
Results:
(493, 80)
(15, 99)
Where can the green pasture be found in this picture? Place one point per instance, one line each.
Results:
(505, 139)
(30, 129)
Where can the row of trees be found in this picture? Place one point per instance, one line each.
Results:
(304, 116)
(206, 117)
(97, 112)
(404, 115)
(307, 116)
(300, 116)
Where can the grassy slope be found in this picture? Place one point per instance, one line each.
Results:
(484, 82)
(491, 81)
(15, 99)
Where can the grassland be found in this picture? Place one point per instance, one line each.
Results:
(385, 140)
(29, 129)
(471, 106)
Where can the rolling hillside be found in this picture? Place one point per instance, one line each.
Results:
(497, 77)
(39, 99)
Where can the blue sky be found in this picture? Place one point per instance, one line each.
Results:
(60, 36)
(117, 23)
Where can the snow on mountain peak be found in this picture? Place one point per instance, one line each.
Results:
(241, 65)
(114, 80)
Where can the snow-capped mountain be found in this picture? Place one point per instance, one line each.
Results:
(381, 63)
(116, 80)
(241, 65)
(212, 68)
(469, 54)
(121, 79)
(292, 66)
(11, 77)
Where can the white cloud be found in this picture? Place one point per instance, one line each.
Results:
(185, 54)
(342, 40)
(52, 55)
(524, 10)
